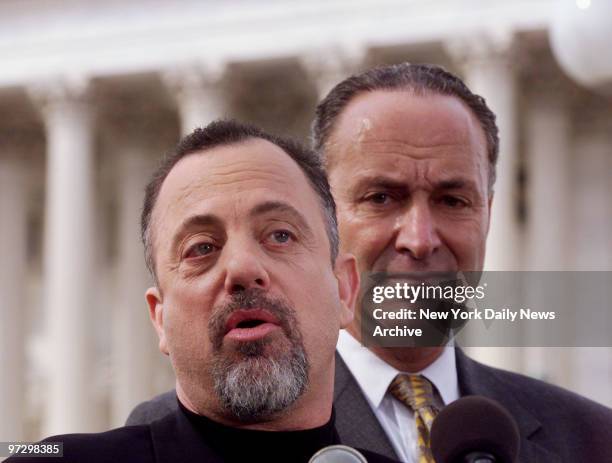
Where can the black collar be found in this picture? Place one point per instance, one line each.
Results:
(186, 436)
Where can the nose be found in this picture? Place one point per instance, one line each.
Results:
(244, 269)
(416, 232)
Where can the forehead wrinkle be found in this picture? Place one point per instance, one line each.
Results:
(368, 148)
(409, 176)
(400, 147)
(411, 162)
(224, 175)
(192, 191)
(237, 166)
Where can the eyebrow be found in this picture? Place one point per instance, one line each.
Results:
(392, 184)
(380, 182)
(195, 221)
(454, 184)
(212, 220)
(282, 208)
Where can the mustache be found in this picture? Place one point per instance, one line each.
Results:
(253, 298)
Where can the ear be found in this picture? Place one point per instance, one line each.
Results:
(156, 313)
(348, 286)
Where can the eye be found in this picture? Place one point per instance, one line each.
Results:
(200, 250)
(378, 198)
(281, 236)
(454, 202)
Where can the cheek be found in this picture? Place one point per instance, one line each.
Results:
(186, 319)
(467, 243)
(365, 238)
(318, 315)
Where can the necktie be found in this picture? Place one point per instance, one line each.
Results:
(416, 392)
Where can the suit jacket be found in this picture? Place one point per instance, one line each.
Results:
(171, 439)
(555, 425)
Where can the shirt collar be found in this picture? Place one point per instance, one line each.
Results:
(374, 375)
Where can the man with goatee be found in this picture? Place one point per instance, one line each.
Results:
(250, 292)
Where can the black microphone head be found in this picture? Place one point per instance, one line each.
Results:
(474, 423)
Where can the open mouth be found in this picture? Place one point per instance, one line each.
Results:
(250, 325)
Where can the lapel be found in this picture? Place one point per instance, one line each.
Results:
(175, 439)
(355, 421)
(478, 379)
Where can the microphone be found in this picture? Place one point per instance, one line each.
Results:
(475, 429)
(338, 454)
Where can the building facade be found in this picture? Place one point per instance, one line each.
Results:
(92, 94)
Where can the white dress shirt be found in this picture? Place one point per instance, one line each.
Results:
(374, 377)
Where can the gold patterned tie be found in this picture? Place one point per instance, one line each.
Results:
(416, 392)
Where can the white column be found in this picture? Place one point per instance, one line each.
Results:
(13, 233)
(485, 58)
(68, 255)
(134, 344)
(198, 93)
(548, 147)
(592, 221)
(548, 156)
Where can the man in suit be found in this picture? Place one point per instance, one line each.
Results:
(411, 155)
(250, 292)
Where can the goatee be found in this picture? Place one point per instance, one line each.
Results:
(259, 379)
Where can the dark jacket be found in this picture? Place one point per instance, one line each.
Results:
(171, 439)
(555, 425)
